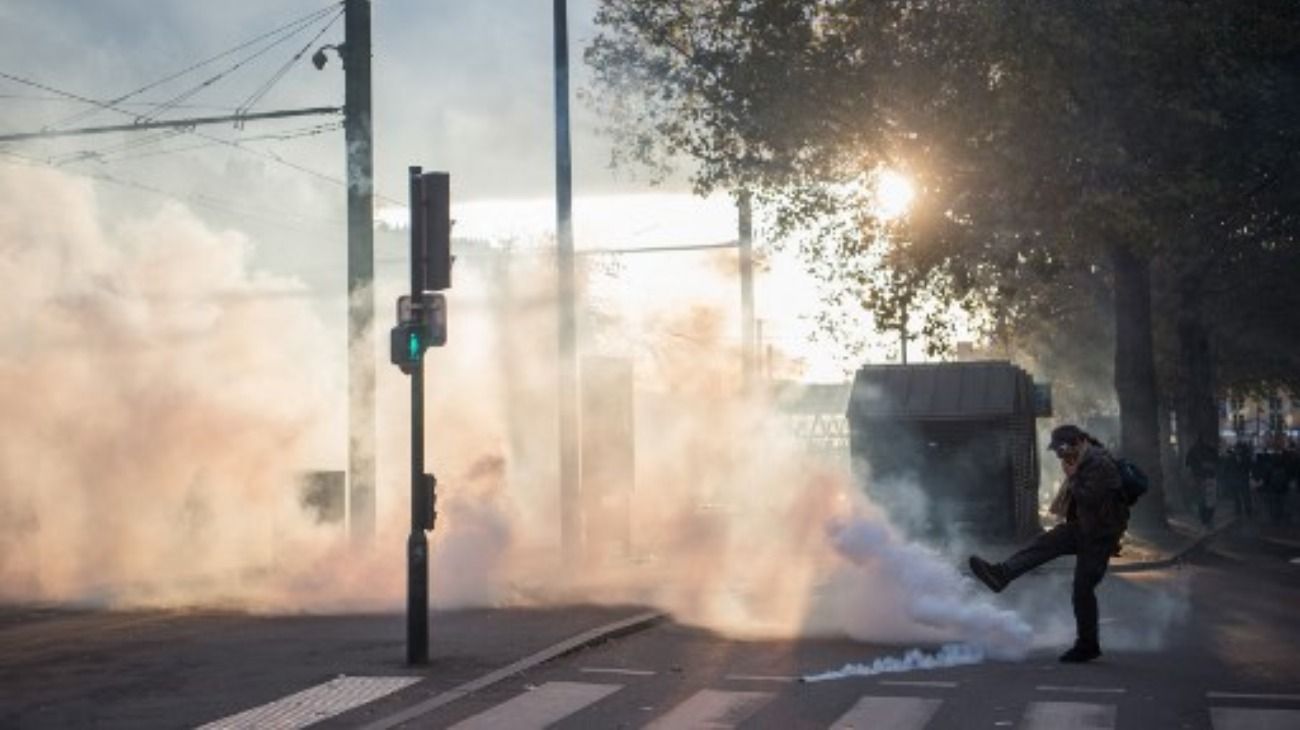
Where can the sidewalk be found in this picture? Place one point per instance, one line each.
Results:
(144, 669)
(1185, 537)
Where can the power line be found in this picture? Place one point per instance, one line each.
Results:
(136, 126)
(266, 87)
(64, 100)
(292, 134)
(187, 94)
(130, 144)
(217, 140)
(295, 25)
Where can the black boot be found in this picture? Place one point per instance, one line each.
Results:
(989, 574)
(1082, 651)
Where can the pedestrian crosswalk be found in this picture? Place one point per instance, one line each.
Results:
(711, 708)
(547, 704)
(557, 702)
(1069, 716)
(888, 713)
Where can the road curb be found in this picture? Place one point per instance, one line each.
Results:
(568, 646)
(1174, 559)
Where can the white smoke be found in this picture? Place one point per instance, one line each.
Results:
(927, 590)
(950, 655)
(160, 400)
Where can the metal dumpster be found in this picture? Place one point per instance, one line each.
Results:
(949, 449)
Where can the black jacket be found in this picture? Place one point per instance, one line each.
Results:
(1096, 503)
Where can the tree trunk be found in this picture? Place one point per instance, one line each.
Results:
(1197, 363)
(1197, 408)
(1135, 379)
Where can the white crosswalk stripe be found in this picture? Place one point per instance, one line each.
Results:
(711, 709)
(1250, 718)
(888, 713)
(1069, 716)
(535, 709)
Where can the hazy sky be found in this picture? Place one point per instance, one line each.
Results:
(463, 86)
(459, 85)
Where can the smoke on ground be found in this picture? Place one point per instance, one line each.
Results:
(162, 396)
(950, 655)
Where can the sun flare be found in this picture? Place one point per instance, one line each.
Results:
(893, 193)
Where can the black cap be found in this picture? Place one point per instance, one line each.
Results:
(1065, 435)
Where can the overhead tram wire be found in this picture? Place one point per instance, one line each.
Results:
(216, 140)
(65, 100)
(197, 88)
(286, 32)
(282, 136)
(145, 140)
(117, 101)
(270, 83)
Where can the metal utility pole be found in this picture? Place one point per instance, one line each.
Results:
(746, 236)
(902, 338)
(358, 134)
(417, 545)
(570, 486)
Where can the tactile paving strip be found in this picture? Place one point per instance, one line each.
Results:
(315, 704)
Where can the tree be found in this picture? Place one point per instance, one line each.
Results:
(1050, 141)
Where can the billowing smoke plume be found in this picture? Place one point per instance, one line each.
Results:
(156, 397)
(161, 396)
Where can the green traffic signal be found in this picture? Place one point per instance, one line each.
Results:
(413, 348)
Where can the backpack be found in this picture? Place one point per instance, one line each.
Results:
(1133, 482)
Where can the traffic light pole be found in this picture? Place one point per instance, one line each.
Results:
(417, 545)
(421, 324)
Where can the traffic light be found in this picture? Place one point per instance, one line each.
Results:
(406, 345)
(421, 324)
(436, 204)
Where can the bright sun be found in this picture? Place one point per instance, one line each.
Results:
(893, 194)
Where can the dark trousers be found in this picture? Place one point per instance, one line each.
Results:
(1093, 557)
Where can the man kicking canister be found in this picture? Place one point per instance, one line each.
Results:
(1095, 519)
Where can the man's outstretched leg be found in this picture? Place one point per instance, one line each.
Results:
(1054, 543)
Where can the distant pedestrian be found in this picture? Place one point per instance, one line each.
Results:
(1095, 515)
(1202, 461)
(1235, 469)
(1273, 469)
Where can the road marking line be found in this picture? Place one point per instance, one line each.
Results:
(315, 704)
(1069, 716)
(619, 670)
(1244, 696)
(888, 713)
(917, 683)
(1085, 690)
(762, 677)
(1243, 718)
(711, 708)
(538, 708)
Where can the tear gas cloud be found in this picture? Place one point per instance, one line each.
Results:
(159, 405)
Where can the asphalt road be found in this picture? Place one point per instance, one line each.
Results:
(1214, 644)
